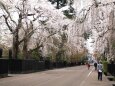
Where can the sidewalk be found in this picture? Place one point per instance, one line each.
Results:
(93, 81)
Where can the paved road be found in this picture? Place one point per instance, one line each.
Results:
(72, 76)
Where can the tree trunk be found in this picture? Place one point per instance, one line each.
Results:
(58, 4)
(25, 49)
(15, 46)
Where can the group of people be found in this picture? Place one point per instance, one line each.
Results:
(98, 67)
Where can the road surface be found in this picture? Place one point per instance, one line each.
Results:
(72, 76)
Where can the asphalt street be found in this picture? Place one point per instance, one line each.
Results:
(72, 76)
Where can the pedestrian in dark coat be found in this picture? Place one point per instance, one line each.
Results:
(95, 65)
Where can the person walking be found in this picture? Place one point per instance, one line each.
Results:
(95, 65)
(88, 65)
(99, 70)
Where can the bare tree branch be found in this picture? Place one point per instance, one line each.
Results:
(6, 10)
(51, 34)
(6, 21)
(29, 34)
(19, 22)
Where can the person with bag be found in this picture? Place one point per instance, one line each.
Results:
(99, 70)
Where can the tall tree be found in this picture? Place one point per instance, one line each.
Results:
(15, 25)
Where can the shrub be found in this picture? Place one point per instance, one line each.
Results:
(35, 55)
(105, 67)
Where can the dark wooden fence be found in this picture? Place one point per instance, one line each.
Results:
(25, 66)
(111, 69)
(3, 67)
